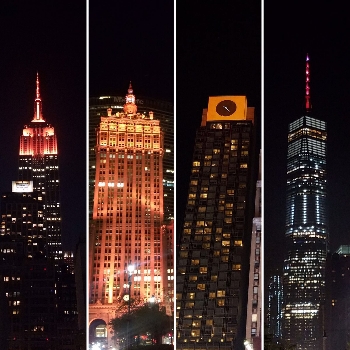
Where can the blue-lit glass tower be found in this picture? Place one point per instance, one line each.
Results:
(306, 230)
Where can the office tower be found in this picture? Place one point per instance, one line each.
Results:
(306, 229)
(274, 308)
(127, 212)
(253, 327)
(214, 250)
(164, 112)
(337, 318)
(38, 162)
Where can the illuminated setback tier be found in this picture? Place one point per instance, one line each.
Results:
(38, 162)
(128, 208)
(306, 233)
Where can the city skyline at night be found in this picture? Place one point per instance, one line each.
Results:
(40, 290)
(41, 31)
(40, 296)
(323, 37)
(284, 80)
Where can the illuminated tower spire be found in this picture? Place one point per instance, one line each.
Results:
(38, 162)
(130, 106)
(38, 115)
(307, 87)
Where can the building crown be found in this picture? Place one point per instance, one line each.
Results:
(130, 106)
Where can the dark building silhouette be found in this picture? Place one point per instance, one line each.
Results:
(337, 319)
(274, 308)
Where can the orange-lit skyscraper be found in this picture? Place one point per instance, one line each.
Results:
(164, 112)
(127, 212)
(38, 162)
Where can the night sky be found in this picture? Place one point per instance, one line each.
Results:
(291, 33)
(218, 52)
(48, 37)
(131, 41)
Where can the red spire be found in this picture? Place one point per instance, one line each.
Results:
(307, 87)
(37, 87)
(38, 115)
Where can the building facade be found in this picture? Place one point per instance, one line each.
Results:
(253, 328)
(128, 213)
(213, 256)
(306, 230)
(169, 265)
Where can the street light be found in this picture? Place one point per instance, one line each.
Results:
(131, 269)
(248, 345)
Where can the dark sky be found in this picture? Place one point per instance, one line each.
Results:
(290, 33)
(48, 37)
(218, 52)
(131, 41)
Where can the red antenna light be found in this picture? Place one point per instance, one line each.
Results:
(38, 117)
(307, 87)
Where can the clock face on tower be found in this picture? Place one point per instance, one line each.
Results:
(226, 108)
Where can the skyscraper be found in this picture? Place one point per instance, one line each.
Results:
(213, 256)
(38, 162)
(306, 229)
(127, 212)
(164, 112)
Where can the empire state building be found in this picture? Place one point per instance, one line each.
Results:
(38, 162)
